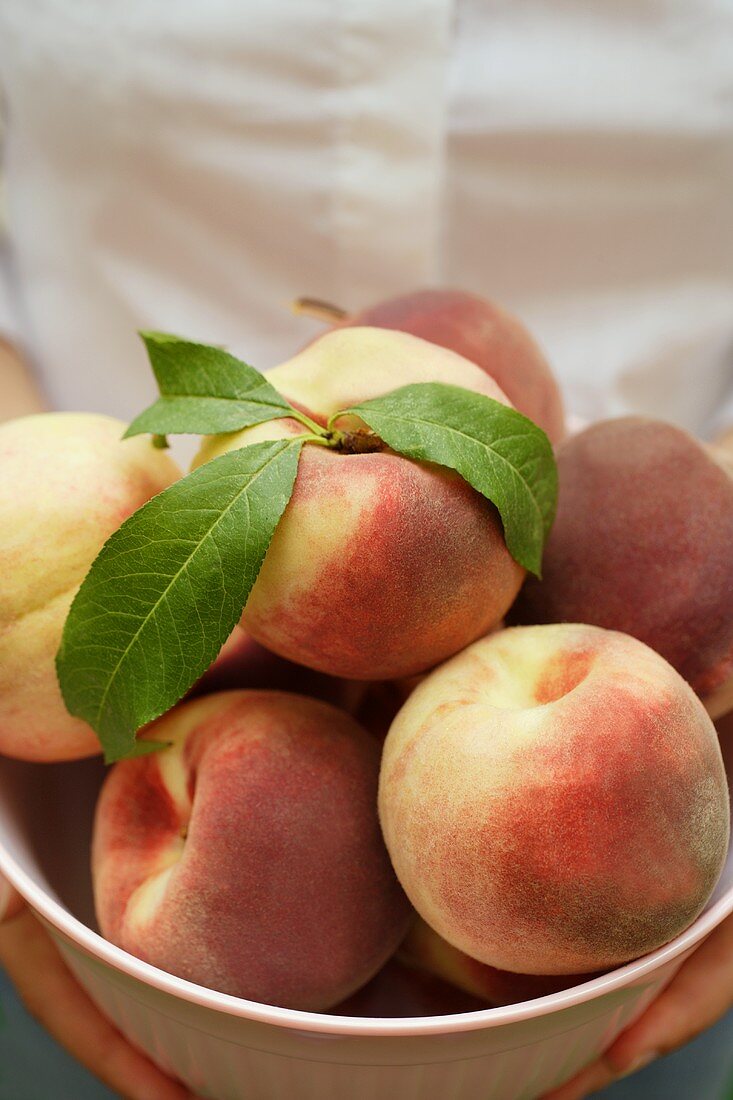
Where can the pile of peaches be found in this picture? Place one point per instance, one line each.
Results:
(408, 748)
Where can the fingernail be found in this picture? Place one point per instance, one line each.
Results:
(640, 1062)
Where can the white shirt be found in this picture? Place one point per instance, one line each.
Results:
(193, 166)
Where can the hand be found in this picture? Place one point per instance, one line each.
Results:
(725, 441)
(19, 394)
(698, 995)
(54, 997)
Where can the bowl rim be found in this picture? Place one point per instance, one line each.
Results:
(95, 945)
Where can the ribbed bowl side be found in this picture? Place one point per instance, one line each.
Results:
(223, 1057)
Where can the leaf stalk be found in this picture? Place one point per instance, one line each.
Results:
(306, 421)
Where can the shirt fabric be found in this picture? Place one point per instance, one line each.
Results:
(194, 167)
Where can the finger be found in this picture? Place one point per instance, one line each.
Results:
(595, 1076)
(11, 902)
(698, 995)
(57, 1001)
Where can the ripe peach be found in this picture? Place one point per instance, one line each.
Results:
(244, 663)
(401, 989)
(247, 857)
(719, 701)
(486, 334)
(429, 953)
(379, 704)
(642, 544)
(67, 481)
(554, 800)
(380, 567)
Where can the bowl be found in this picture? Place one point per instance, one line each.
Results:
(227, 1048)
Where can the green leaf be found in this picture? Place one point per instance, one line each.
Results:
(204, 390)
(497, 450)
(168, 588)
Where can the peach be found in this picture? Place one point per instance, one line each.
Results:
(244, 663)
(483, 332)
(642, 544)
(719, 701)
(554, 800)
(67, 481)
(426, 951)
(377, 707)
(400, 990)
(247, 857)
(380, 567)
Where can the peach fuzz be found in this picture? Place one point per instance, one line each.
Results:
(486, 334)
(642, 544)
(67, 481)
(380, 567)
(554, 800)
(247, 857)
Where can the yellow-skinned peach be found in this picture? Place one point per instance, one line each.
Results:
(67, 481)
(380, 567)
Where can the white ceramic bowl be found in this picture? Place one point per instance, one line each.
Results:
(231, 1049)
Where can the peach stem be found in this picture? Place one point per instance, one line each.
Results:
(317, 429)
(319, 310)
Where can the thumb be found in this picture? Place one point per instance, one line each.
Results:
(11, 902)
